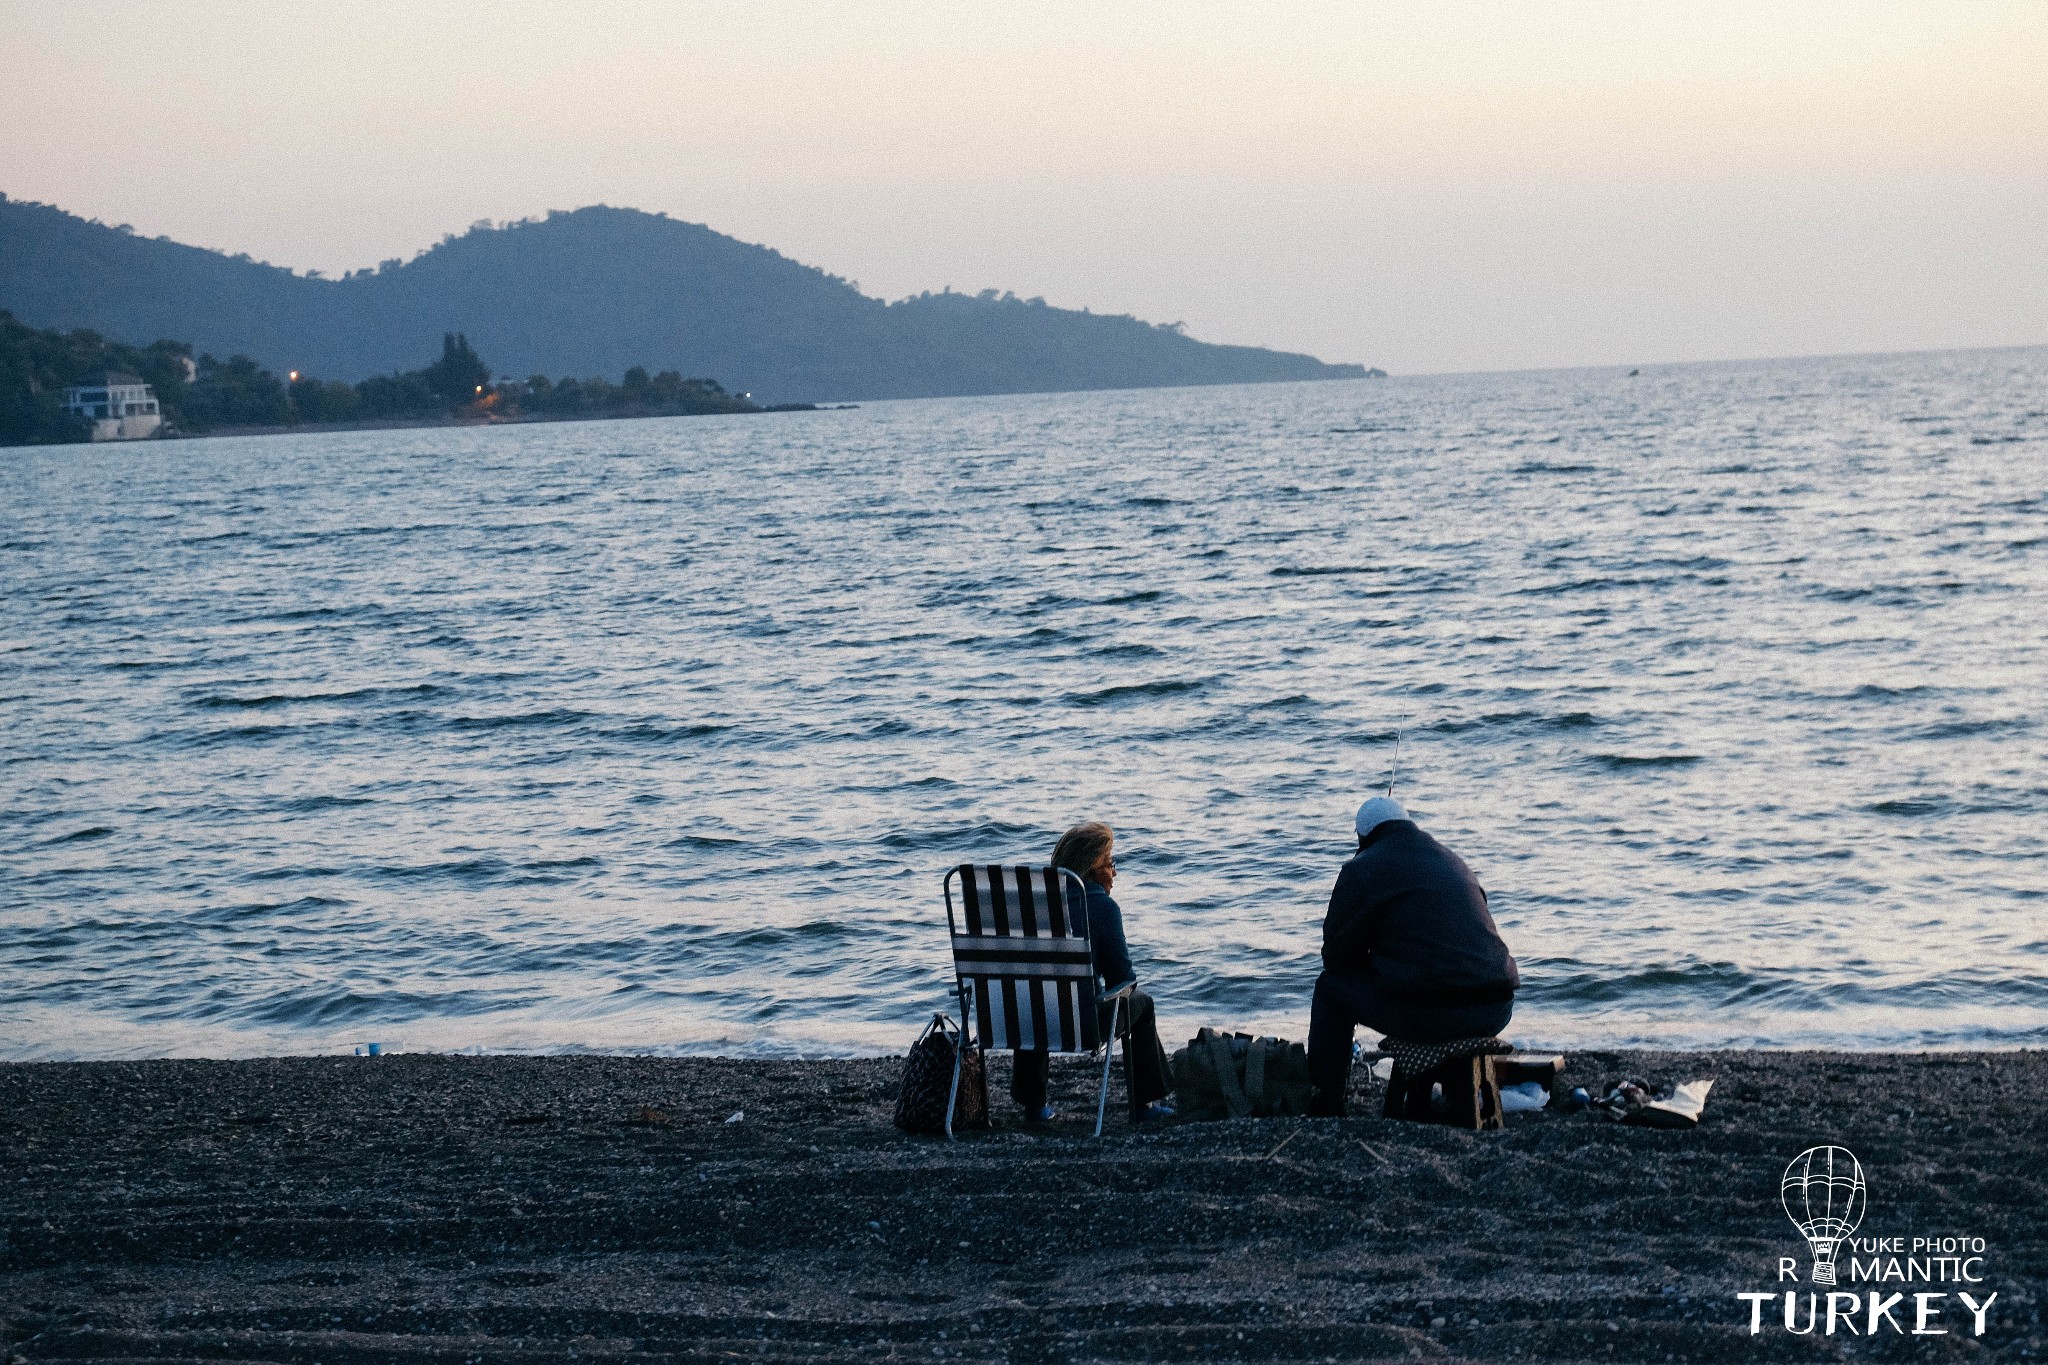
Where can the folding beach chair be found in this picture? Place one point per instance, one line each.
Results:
(1024, 970)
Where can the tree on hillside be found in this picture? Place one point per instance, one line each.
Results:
(325, 400)
(460, 374)
(236, 392)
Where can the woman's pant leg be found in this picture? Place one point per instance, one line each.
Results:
(1029, 1074)
(1145, 1059)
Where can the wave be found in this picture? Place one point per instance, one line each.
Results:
(1567, 720)
(308, 805)
(470, 871)
(272, 910)
(213, 701)
(79, 836)
(1598, 583)
(1687, 986)
(653, 732)
(551, 719)
(979, 837)
(1968, 729)
(1879, 692)
(1323, 570)
(1915, 806)
(1630, 762)
(1137, 692)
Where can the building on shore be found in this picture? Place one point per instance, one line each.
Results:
(118, 404)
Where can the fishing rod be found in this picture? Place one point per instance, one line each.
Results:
(1394, 773)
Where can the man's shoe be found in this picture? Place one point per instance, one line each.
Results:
(1158, 1109)
(1326, 1104)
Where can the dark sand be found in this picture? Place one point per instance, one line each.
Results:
(508, 1208)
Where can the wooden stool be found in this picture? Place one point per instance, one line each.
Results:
(1463, 1067)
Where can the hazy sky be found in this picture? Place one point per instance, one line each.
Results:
(1425, 187)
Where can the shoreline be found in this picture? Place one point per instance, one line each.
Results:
(425, 423)
(518, 1206)
(790, 1055)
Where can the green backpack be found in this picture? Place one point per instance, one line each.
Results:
(1234, 1075)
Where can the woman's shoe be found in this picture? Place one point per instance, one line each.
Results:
(1158, 1109)
(1044, 1113)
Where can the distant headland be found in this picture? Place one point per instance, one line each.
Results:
(600, 290)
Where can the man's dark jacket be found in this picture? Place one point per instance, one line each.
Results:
(1408, 913)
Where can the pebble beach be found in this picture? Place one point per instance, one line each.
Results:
(419, 1207)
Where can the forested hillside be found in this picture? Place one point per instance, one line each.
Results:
(595, 291)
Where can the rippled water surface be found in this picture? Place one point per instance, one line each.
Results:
(1727, 681)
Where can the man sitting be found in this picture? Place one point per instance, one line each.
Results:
(1408, 949)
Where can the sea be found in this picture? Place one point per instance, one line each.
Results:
(660, 736)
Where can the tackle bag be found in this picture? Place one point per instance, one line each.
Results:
(928, 1081)
(1234, 1076)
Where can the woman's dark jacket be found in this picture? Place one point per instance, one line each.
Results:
(1106, 933)
(1408, 913)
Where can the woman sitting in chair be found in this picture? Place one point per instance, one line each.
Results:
(1087, 851)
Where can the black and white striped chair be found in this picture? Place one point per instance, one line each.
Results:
(1024, 969)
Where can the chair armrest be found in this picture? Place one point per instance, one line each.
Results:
(1120, 991)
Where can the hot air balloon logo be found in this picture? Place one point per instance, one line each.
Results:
(1823, 1193)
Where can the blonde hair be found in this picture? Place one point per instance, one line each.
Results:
(1082, 848)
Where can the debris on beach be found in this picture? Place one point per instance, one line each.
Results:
(1635, 1101)
(646, 1117)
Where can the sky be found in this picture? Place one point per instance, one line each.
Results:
(1425, 187)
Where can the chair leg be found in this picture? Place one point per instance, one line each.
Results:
(1472, 1093)
(1422, 1098)
(1461, 1092)
(1108, 1056)
(1411, 1096)
(953, 1095)
(959, 1058)
(1487, 1101)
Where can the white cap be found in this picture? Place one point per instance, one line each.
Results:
(1378, 811)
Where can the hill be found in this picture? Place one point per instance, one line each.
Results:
(594, 291)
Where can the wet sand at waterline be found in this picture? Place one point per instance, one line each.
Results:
(519, 1208)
